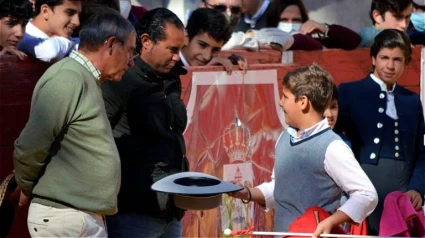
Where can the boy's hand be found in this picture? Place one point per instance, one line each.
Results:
(324, 227)
(415, 198)
(13, 51)
(239, 60)
(243, 194)
(227, 64)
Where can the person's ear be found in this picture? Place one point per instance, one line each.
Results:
(373, 61)
(45, 11)
(109, 43)
(303, 102)
(377, 17)
(146, 42)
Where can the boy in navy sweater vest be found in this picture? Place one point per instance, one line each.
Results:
(313, 165)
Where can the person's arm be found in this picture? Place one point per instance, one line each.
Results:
(340, 37)
(305, 42)
(54, 48)
(344, 169)
(53, 107)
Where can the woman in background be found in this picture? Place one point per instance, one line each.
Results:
(291, 16)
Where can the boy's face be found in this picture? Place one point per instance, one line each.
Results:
(11, 32)
(62, 19)
(392, 20)
(201, 49)
(389, 65)
(331, 113)
(291, 108)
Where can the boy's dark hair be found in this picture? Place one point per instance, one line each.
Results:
(396, 7)
(392, 38)
(51, 3)
(17, 10)
(276, 7)
(153, 23)
(335, 94)
(210, 21)
(313, 82)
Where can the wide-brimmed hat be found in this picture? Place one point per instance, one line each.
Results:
(194, 190)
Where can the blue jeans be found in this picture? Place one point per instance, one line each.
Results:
(134, 225)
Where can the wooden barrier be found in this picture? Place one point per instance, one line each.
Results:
(18, 78)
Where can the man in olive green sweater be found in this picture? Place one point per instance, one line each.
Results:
(65, 158)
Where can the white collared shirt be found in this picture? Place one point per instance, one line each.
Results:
(183, 59)
(343, 168)
(253, 20)
(391, 110)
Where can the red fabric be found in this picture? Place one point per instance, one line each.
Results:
(307, 222)
(399, 217)
(360, 230)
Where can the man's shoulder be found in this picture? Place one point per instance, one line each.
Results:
(65, 68)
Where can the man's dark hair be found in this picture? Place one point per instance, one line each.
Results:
(396, 7)
(392, 38)
(17, 10)
(100, 27)
(272, 14)
(210, 21)
(153, 23)
(51, 3)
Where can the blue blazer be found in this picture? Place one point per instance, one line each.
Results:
(361, 117)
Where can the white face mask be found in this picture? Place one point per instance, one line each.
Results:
(125, 8)
(291, 28)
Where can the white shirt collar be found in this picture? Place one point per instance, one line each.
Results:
(31, 29)
(253, 20)
(183, 59)
(381, 84)
(320, 126)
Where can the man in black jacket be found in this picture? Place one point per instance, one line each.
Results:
(148, 119)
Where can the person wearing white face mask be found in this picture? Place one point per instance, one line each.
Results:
(416, 29)
(291, 16)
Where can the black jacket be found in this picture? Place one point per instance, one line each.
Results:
(148, 119)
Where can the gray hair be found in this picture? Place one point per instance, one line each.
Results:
(100, 27)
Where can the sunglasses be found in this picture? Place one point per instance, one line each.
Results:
(222, 8)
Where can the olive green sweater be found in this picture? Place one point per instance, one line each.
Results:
(66, 155)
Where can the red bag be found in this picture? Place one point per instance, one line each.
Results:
(307, 223)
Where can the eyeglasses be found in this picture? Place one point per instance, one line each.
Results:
(222, 8)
